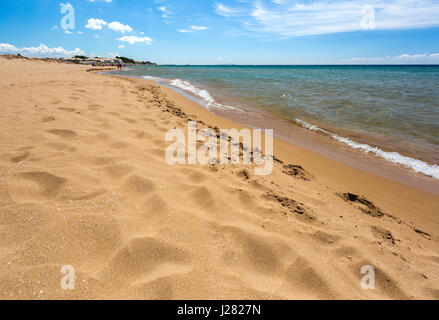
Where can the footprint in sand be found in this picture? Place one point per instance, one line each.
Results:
(155, 207)
(291, 205)
(63, 133)
(347, 252)
(116, 114)
(67, 109)
(129, 120)
(137, 185)
(244, 174)
(146, 258)
(252, 252)
(203, 197)
(101, 161)
(363, 204)
(297, 172)
(118, 171)
(60, 146)
(382, 234)
(94, 107)
(36, 185)
(325, 238)
(48, 119)
(19, 158)
(196, 176)
(159, 143)
(139, 134)
(101, 137)
(301, 275)
(119, 145)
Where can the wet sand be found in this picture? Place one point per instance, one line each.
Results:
(329, 148)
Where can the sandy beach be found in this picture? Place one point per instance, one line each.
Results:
(84, 183)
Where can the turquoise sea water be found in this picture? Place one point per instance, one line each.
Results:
(389, 108)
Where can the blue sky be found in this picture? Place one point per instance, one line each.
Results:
(226, 31)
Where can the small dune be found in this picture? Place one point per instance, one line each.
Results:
(63, 133)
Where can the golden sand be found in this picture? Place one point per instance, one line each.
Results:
(84, 183)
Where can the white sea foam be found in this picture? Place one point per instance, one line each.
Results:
(416, 165)
(153, 78)
(204, 95)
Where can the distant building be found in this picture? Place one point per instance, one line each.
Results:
(110, 61)
(99, 61)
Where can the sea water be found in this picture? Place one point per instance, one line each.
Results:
(389, 111)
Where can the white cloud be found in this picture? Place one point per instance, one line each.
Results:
(119, 27)
(192, 29)
(98, 24)
(420, 58)
(135, 39)
(6, 47)
(288, 18)
(165, 11)
(68, 32)
(95, 24)
(198, 28)
(121, 46)
(413, 56)
(40, 51)
(225, 11)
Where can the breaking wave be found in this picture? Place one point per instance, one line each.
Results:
(202, 94)
(416, 165)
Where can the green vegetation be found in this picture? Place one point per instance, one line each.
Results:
(131, 61)
(126, 60)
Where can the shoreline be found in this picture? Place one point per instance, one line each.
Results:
(328, 147)
(413, 151)
(84, 182)
(289, 152)
(321, 144)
